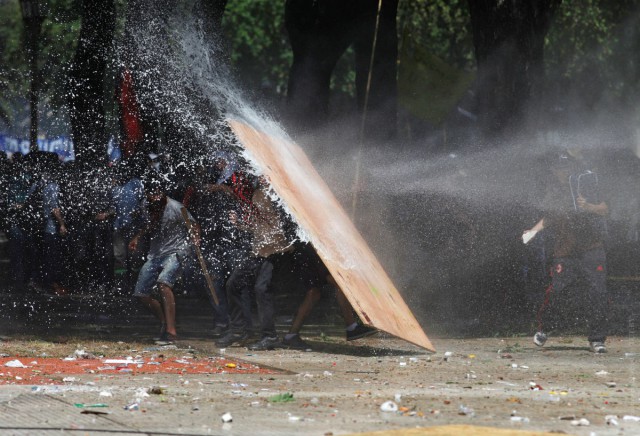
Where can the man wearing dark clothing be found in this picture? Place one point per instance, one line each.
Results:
(18, 183)
(576, 217)
(224, 245)
(256, 273)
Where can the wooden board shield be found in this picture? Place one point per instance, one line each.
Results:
(338, 243)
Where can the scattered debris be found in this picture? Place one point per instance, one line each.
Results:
(14, 364)
(226, 417)
(611, 420)
(156, 390)
(82, 354)
(132, 407)
(127, 361)
(282, 398)
(582, 422)
(389, 406)
(631, 418)
(466, 411)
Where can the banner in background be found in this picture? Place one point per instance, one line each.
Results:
(62, 146)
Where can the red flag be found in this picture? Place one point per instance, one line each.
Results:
(130, 110)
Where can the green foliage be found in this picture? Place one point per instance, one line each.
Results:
(259, 45)
(441, 28)
(436, 54)
(260, 50)
(596, 43)
(579, 35)
(13, 63)
(282, 398)
(589, 41)
(57, 47)
(57, 44)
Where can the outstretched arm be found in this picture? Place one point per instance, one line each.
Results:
(531, 233)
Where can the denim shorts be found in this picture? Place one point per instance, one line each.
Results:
(165, 270)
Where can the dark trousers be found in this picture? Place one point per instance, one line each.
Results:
(52, 259)
(590, 271)
(218, 274)
(255, 274)
(18, 255)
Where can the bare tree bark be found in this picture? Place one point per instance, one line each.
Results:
(86, 81)
(320, 32)
(508, 36)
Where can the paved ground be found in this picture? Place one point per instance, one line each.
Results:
(338, 388)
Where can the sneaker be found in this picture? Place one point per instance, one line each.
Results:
(220, 330)
(539, 339)
(163, 334)
(167, 340)
(360, 331)
(597, 347)
(266, 343)
(231, 338)
(295, 343)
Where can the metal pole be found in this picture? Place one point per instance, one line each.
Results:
(203, 264)
(356, 179)
(33, 26)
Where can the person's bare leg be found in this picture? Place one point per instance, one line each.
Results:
(346, 309)
(154, 307)
(169, 307)
(354, 329)
(310, 300)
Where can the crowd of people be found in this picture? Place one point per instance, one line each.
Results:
(214, 226)
(71, 229)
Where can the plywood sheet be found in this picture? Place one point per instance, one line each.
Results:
(337, 241)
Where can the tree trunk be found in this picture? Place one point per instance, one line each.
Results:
(320, 31)
(86, 81)
(508, 36)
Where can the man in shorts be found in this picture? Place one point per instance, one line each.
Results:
(169, 243)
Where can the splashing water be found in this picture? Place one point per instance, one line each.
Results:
(187, 81)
